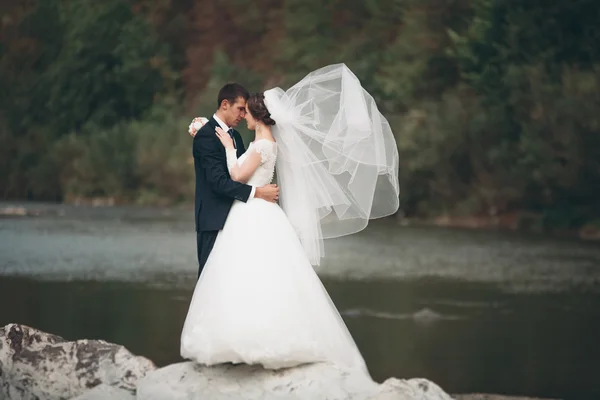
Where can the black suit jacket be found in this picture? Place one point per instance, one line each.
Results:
(215, 191)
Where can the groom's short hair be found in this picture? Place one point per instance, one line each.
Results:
(231, 92)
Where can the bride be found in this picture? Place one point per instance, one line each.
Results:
(258, 299)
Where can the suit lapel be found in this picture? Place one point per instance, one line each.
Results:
(239, 143)
(213, 122)
(237, 138)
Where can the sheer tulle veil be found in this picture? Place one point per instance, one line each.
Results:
(337, 163)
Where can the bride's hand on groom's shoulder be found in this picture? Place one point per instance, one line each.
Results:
(224, 138)
(268, 193)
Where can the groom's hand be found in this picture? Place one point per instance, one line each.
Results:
(268, 193)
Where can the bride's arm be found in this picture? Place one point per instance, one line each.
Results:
(238, 173)
(241, 173)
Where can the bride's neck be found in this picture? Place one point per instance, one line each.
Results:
(262, 131)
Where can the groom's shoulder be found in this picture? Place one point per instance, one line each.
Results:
(208, 128)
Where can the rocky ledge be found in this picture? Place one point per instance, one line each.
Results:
(38, 365)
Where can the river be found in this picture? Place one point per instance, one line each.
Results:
(472, 310)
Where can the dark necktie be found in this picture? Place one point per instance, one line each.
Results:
(230, 131)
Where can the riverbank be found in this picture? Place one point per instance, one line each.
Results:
(515, 221)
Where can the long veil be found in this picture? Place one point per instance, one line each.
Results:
(337, 163)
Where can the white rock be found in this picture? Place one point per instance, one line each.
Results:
(38, 365)
(416, 388)
(104, 392)
(191, 381)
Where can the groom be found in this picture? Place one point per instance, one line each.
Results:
(215, 191)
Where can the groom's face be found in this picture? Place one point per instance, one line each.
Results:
(235, 112)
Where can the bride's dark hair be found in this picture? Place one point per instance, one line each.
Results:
(258, 109)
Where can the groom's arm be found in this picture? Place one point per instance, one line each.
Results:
(209, 150)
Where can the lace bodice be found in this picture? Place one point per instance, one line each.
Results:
(268, 154)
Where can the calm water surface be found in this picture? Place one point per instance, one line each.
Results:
(473, 311)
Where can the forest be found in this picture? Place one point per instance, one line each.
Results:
(495, 104)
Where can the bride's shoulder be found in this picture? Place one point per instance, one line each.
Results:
(264, 144)
(267, 148)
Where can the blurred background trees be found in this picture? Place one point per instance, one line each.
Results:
(494, 103)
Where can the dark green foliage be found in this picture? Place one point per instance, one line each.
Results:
(494, 103)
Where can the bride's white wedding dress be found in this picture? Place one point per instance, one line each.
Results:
(258, 299)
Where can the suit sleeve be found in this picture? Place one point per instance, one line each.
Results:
(208, 149)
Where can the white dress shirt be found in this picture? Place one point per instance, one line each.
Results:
(224, 126)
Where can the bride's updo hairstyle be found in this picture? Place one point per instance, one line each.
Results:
(258, 109)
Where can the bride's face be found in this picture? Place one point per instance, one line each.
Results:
(250, 120)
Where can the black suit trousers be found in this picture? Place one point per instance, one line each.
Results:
(205, 242)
